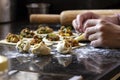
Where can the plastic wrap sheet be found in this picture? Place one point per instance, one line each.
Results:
(64, 60)
(97, 59)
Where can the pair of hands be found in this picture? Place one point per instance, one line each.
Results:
(102, 32)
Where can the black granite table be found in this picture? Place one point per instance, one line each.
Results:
(92, 63)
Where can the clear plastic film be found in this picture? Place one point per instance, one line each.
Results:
(97, 59)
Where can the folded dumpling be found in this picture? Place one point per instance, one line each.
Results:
(64, 47)
(81, 37)
(41, 49)
(23, 46)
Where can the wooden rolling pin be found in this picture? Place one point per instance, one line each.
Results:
(66, 17)
(44, 18)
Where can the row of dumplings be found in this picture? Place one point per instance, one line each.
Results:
(35, 41)
(41, 31)
(64, 46)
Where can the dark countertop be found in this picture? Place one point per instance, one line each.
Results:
(91, 63)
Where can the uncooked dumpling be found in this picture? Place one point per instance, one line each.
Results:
(41, 49)
(23, 46)
(64, 47)
(81, 38)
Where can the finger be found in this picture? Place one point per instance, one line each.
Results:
(94, 36)
(74, 24)
(79, 20)
(89, 31)
(96, 43)
(91, 22)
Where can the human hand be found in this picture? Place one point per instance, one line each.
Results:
(103, 33)
(81, 19)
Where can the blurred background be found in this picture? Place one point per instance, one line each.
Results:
(56, 6)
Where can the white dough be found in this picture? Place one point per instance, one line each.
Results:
(41, 49)
(23, 46)
(62, 48)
